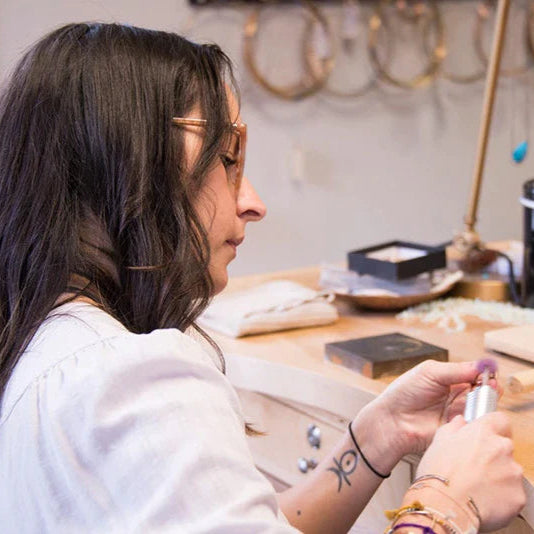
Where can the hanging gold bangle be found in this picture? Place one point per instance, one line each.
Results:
(429, 73)
(530, 31)
(459, 78)
(309, 84)
(315, 69)
(410, 12)
(482, 17)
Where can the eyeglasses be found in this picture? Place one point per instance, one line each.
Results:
(234, 158)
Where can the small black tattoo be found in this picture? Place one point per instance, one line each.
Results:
(344, 467)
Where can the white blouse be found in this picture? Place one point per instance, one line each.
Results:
(105, 431)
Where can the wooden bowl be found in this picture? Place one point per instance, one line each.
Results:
(394, 302)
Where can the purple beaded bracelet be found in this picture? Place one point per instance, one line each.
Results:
(424, 530)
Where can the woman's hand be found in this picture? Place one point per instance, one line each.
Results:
(477, 460)
(406, 415)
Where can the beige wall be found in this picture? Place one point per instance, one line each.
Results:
(390, 165)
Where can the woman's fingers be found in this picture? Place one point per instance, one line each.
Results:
(449, 373)
(477, 458)
(500, 423)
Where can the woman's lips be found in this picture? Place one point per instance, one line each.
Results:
(235, 242)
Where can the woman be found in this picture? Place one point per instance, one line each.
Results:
(123, 201)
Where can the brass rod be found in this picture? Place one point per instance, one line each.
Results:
(489, 98)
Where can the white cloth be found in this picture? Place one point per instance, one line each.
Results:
(276, 305)
(105, 431)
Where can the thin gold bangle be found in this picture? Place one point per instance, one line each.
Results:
(482, 17)
(431, 70)
(312, 63)
(309, 84)
(436, 517)
(471, 510)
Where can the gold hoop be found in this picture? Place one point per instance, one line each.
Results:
(460, 78)
(410, 13)
(312, 63)
(482, 17)
(429, 73)
(309, 84)
(530, 36)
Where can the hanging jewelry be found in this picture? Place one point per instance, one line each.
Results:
(350, 24)
(424, 13)
(479, 74)
(483, 12)
(520, 103)
(350, 30)
(310, 83)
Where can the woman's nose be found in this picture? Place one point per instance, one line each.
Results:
(249, 204)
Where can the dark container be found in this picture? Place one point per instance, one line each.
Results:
(527, 283)
(433, 258)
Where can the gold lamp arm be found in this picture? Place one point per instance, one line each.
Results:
(469, 239)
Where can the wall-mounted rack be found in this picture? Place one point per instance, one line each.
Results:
(233, 3)
(222, 3)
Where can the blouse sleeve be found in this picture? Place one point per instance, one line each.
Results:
(151, 440)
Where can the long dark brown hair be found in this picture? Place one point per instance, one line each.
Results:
(95, 195)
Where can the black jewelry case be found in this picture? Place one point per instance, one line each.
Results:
(397, 260)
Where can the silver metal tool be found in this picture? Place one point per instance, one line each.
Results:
(482, 399)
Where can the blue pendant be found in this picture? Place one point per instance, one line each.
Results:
(520, 152)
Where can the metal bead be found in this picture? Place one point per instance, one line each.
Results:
(304, 465)
(314, 436)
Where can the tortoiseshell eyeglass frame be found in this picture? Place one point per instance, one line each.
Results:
(240, 130)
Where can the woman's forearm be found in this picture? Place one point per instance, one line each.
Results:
(340, 487)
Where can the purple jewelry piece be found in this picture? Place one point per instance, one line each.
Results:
(487, 363)
(424, 529)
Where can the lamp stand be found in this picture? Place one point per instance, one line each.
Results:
(467, 248)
